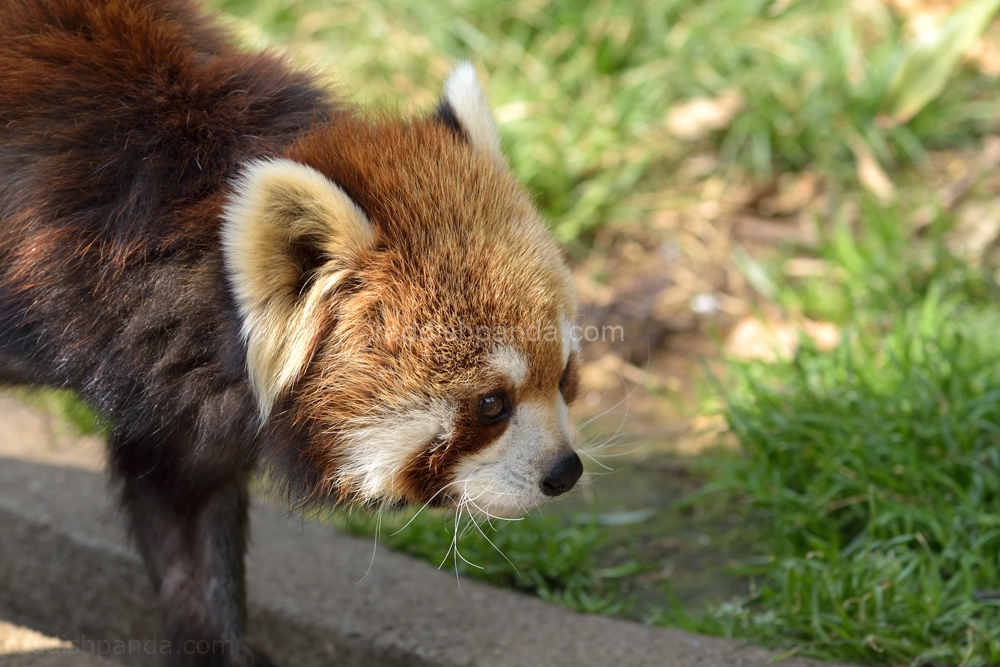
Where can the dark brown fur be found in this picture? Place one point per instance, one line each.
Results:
(120, 123)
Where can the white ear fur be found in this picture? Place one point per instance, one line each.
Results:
(277, 208)
(465, 96)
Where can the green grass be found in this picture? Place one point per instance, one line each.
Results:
(877, 470)
(550, 557)
(876, 265)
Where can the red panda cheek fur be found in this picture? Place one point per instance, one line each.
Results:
(237, 270)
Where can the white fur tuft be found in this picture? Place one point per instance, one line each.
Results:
(274, 205)
(511, 362)
(570, 339)
(465, 97)
(375, 453)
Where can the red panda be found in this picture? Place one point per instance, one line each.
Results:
(240, 271)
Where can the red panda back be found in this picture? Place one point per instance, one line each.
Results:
(123, 111)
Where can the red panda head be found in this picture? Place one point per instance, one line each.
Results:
(406, 313)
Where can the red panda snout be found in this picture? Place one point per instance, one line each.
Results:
(498, 449)
(533, 459)
(508, 478)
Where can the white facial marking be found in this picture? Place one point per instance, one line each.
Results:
(505, 478)
(377, 452)
(562, 414)
(510, 362)
(465, 96)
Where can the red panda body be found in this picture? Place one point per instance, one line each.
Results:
(238, 271)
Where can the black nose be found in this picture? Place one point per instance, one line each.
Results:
(563, 476)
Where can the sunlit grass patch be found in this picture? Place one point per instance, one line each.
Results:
(877, 470)
(72, 414)
(875, 263)
(587, 94)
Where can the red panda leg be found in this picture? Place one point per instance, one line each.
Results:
(193, 542)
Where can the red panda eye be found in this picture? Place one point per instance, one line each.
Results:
(493, 408)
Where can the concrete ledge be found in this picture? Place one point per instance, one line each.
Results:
(37, 659)
(66, 570)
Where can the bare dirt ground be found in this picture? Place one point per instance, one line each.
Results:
(21, 647)
(32, 434)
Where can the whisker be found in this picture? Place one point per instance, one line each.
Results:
(378, 528)
(424, 506)
(625, 399)
(589, 449)
(498, 549)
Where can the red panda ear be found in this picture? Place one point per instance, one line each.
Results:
(288, 232)
(464, 108)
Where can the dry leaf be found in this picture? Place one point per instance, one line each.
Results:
(753, 339)
(771, 340)
(825, 335)
(695, 118)
(977, 228)
(870, 173)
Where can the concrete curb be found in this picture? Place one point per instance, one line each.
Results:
(34, 659)
(66, 570)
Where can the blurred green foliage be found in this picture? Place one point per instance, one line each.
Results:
(70, 412)
(582, 90)
(877, 267)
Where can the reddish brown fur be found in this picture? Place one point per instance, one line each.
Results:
(123, 125)
(142, 98)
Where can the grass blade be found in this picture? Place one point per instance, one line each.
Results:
(930, 57)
